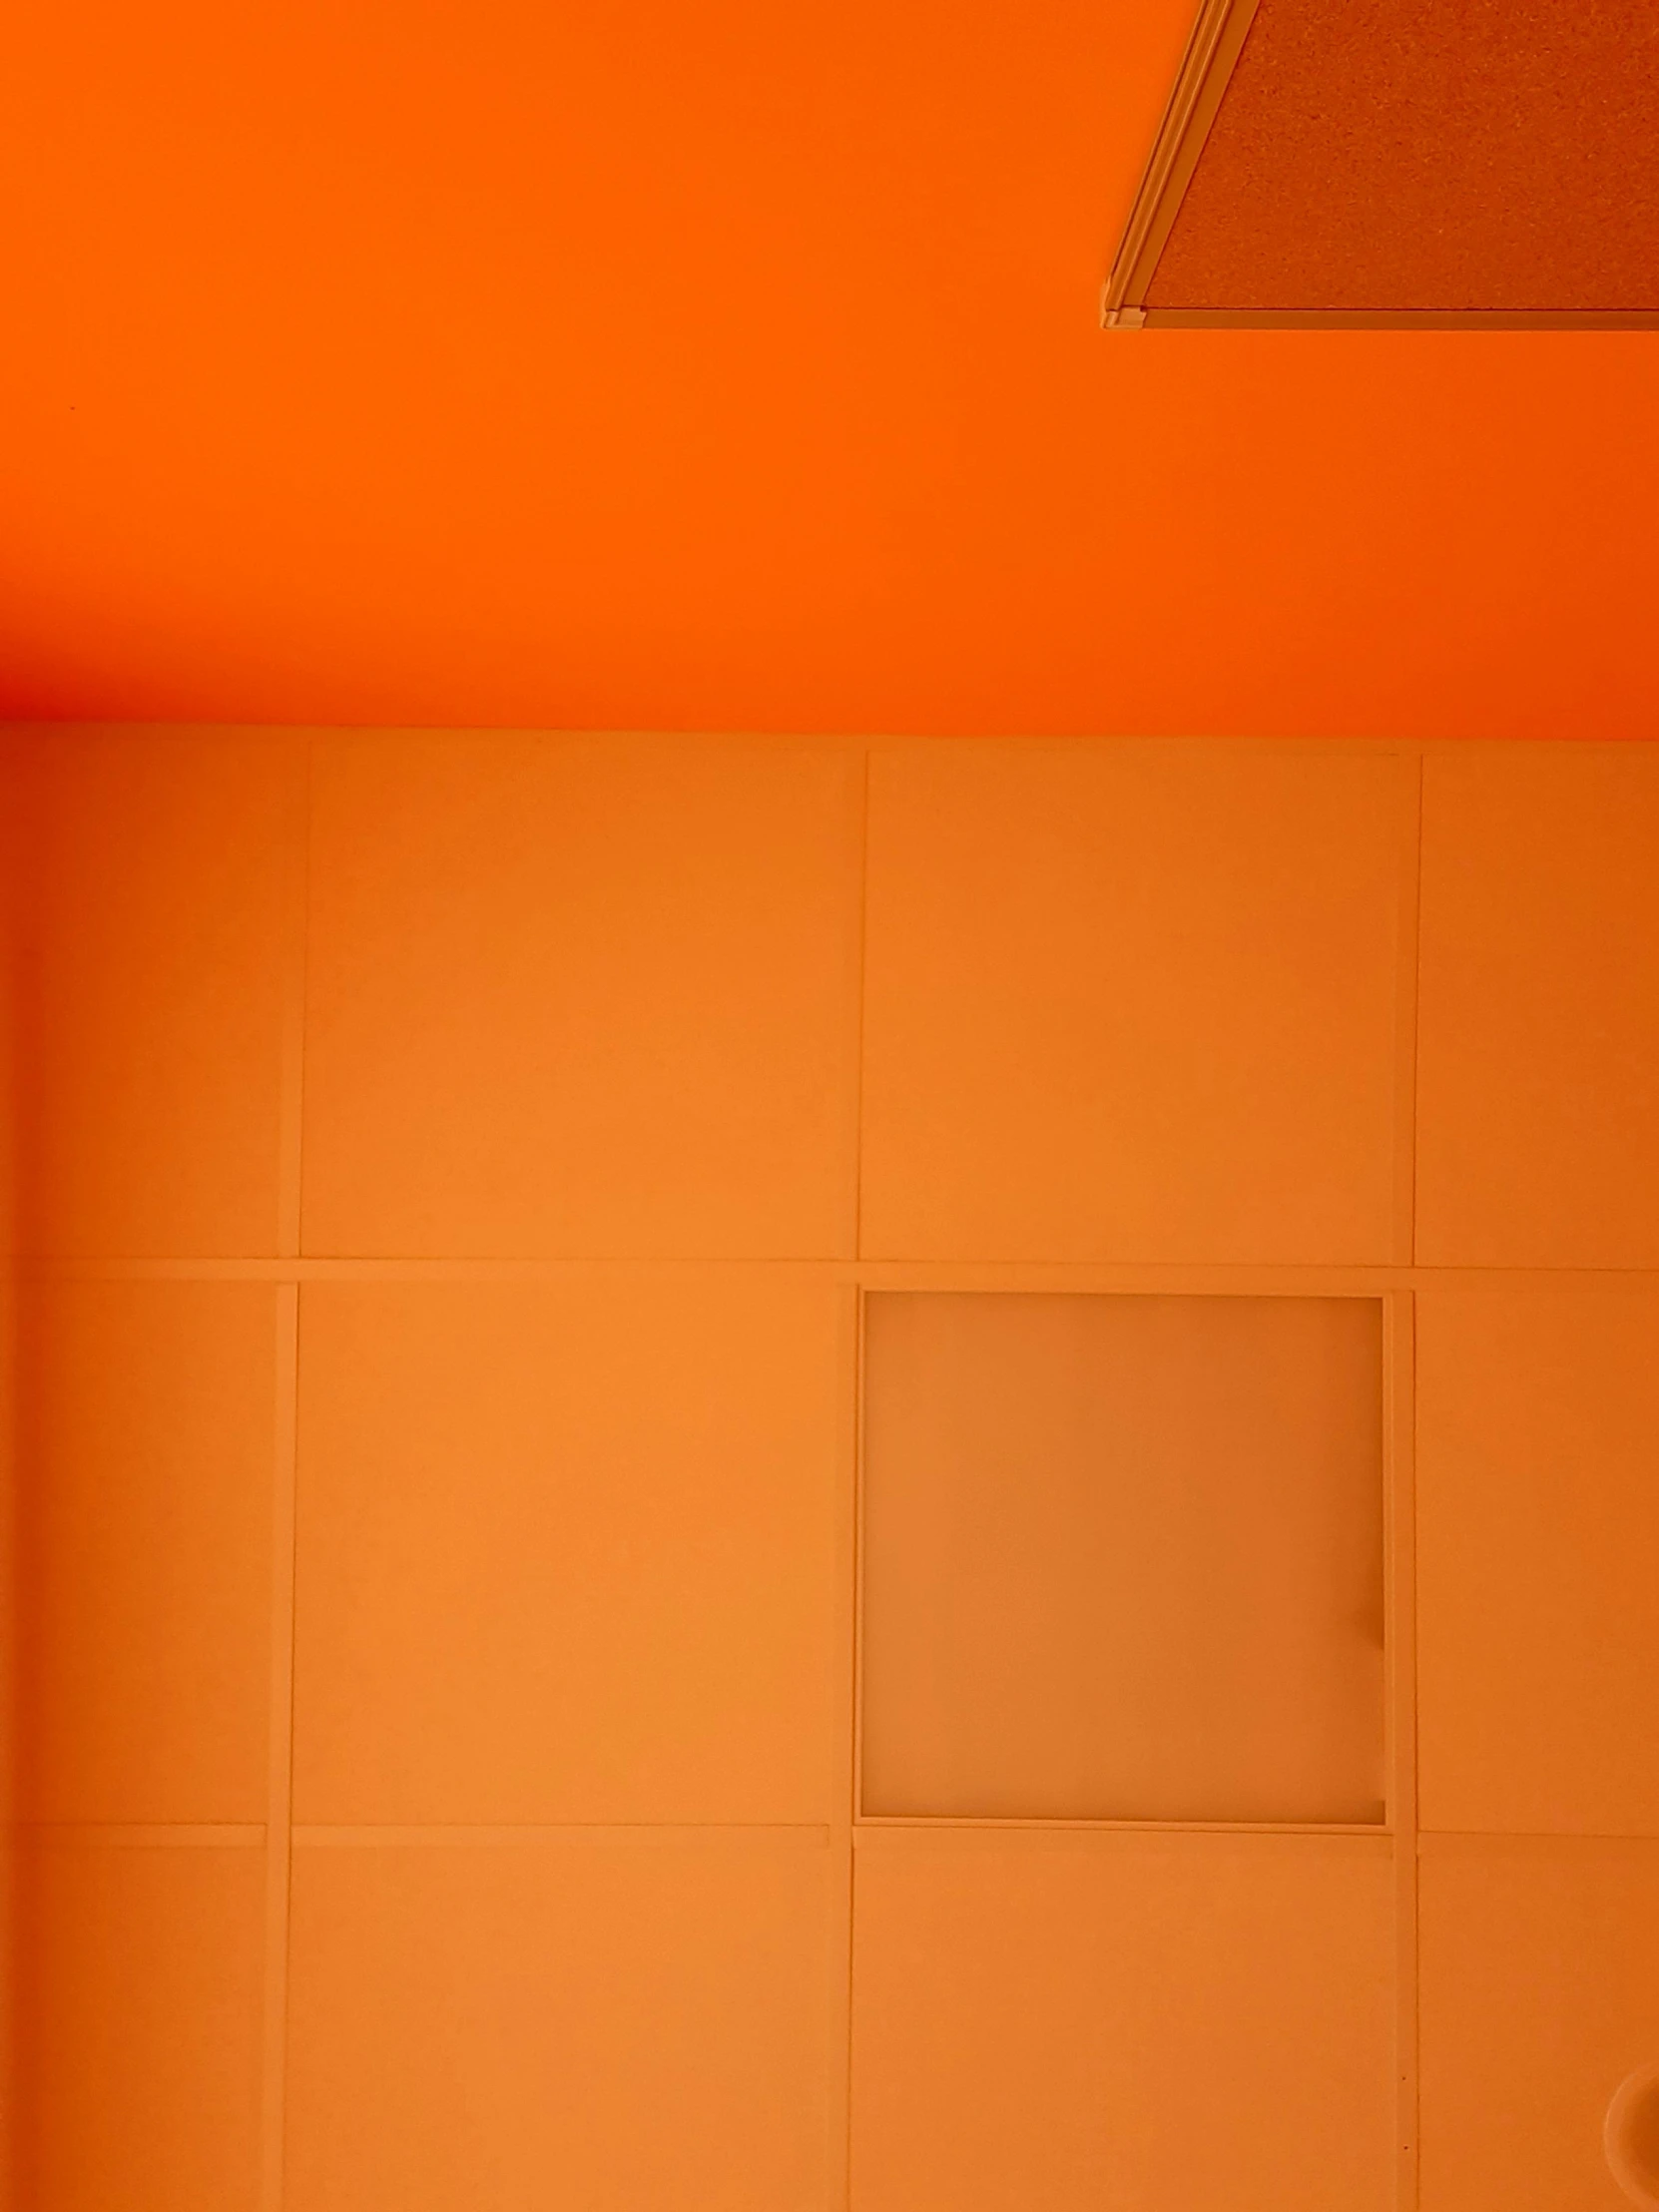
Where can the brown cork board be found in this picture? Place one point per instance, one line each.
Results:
(1442, 155)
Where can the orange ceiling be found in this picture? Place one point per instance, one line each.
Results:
(631, 363)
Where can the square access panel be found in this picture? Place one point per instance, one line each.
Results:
(1122, 1558)
(1420, 163)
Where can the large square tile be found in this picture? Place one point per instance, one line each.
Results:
(626, 2027)
(582, 997)
(1131, 1003)
(1158, 2023)
(567, 1551)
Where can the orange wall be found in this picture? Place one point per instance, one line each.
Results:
(451, 1166)
(10, 1142)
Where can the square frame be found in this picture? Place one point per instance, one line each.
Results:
(1398, 1572)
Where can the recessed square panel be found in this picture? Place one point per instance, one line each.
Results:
(1122, 1558)
(1410, 158)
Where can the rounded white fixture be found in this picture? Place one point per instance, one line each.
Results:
(1632, 2136)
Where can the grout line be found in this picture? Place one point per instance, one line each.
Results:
(294, 956)
(1416, 1000)
(459, 1835)
(844, 2146)
(280, 1842)
(855, 1779)
(1198, 1278)
(280, 1741)
(405, 1267)
(1400, 1366)
(929, 1824)
(849, 1719)
(138, 1835)
(1399, 1319)
(863, 967)
(1407, 989)
(1431, 1841)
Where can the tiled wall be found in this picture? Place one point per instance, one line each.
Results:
(451, 1165)
(10, 1144)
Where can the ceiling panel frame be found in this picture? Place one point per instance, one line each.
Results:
(1207, 66)
(1212, 54)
